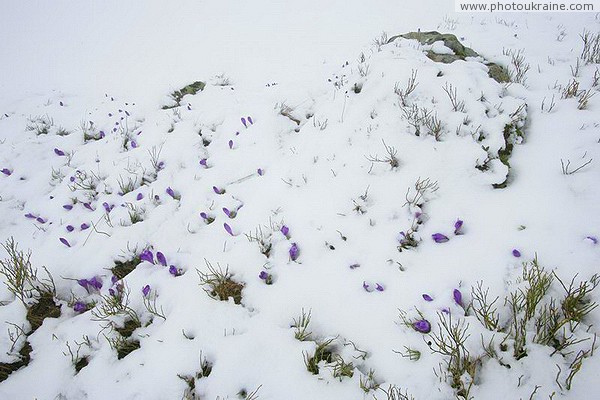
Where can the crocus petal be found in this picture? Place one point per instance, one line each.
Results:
(173, 270)
(457, 297)
(170, 192)
(367, 287)
(70, 228)
(139, 196)
(88, 206)
(260, 172)
(68, 206)
(228, 229)
(379, 288)
(134, 144)
(250, 120)
(230, 144)
(6, 171)
(516, 253)
(427, 297)
(422, 326)
(65, 242)
(84, 226)
(244, 122)
(217, 190)
(59, 152)
(30, 215)
(285, 231)
(160, 257)
(40, 220)
(203, 162)
(263, 275)
(226, 211)
(439, 238)
(203, 215)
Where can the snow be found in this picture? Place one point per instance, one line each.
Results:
(280, 62)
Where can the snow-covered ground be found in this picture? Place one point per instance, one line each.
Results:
(295, 172)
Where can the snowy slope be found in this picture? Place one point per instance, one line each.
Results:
(288, 133)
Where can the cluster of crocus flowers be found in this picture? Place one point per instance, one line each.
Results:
(90, 285)
(367, 287)
(245, 121)
(441, 238)
(148, 256)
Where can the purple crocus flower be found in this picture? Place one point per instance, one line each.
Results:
(203, 215)
(260, 172)
(107, 208)
(244, 122)
(6, 171)
(285, 231)
(422, 326)
(294, 252)
(263, 275)
(516, 253)
(70, 228)
(68, 207)
(30, 215)
(84, 226)
(160, 165)
(170, 192)
(427, 297)
(457, 227)
(231, 144)
(354, 266)
(439, 238)
(174, 271)
(250, 120)
(79, 307)
(83, 283)
(88, 206)
(227, 212)
(139, 196)
(147, 255)
(134, 144)
(59, 152)
(146, 290)
(218, 191)
(102, 134)
(592, 239)
(95, 283)
(203, 162)
(160, 257)
(228, 229)
(367, 287)
(379, 288)
(40, 220)
(457, 297)
(114, 279)
(65, 242)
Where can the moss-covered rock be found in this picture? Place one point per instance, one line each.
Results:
(192, 89)
(461, 52)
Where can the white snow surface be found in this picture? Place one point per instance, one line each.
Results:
(295, 69)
